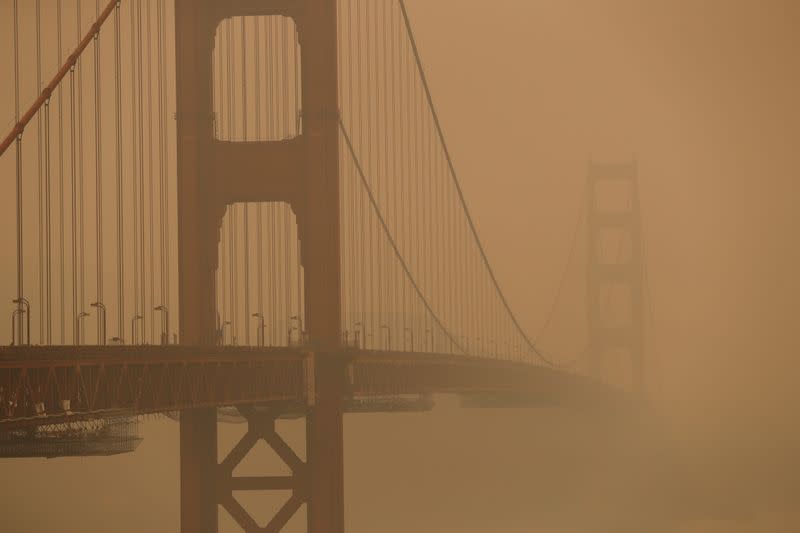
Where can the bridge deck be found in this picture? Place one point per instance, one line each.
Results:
(41, 385)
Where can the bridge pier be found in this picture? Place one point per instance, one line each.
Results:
(317, 482)
(325, 448)
(198, 470)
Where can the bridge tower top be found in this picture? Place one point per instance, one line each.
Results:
(304, 171)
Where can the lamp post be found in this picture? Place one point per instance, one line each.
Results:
(133, 328)
(222, 331)
(79, 328)
(388, 336)
(164, 324)
(289, 335)
(101, 322)
(261, 326)
(358, 334)
(14, 314)
(24, 308)
(299, 320)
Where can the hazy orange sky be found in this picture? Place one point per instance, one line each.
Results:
(704, 95)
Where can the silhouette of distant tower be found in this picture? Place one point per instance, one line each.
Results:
(614, 217)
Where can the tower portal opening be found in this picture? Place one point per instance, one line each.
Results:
(257, 79)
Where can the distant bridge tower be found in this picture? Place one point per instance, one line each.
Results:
(304, 173)
(615, 275)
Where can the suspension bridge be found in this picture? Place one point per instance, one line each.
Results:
(251, 204)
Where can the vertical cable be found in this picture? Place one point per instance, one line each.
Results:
(74, 210)
(161, 171)
(135, 147)
(20, 258)
(272, 134)
(165, 163)
(150, 309)
(352, 252)
(245, 209)
(259, 206)
(219, 127)
(142, 273)
(40, 164)
(120, 205)
(48, 245)
(60, 179)
(98, 179)
(80, 203)
(246, 241)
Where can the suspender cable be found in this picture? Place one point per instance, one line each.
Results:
(74, 210)
(162, 149)
(98, 182)
(48, 244)
(151, 218)
(288, 263)
(246, 210)
(395, 122)
(135, 173)
(244, 78)
(386, 169)
(165, 224)
(80, 203)
(284, 78)
(20, 259)
(142, 311)
(259, 206)
(232, 208)
(40, 164)
(367, 99)
(273, 128)
(233, 212)
(61, 182)
(352, 255)
(120, 205)
(362, 251)
(219, 126)
(246, 242)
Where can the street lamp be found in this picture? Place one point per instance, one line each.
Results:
(133, 327)
(299, 327)
(79, 318)
(101, 322)
(222, 331)
(358, 334)
(261, 327)
(388, 336)
(24, 308)
(164, 324)
(14, 314)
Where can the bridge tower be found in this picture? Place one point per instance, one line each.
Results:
(615, 276)
(304, 173)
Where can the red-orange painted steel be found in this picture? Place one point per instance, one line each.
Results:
(19, 127)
